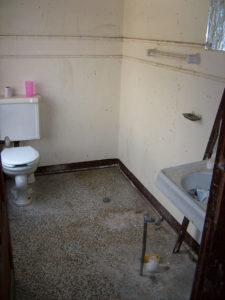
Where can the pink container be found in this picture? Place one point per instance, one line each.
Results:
(29, 85)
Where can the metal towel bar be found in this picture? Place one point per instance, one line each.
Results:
(190, 59)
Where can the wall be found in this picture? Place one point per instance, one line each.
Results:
(72, 50)
(155, 90)
(99, 18)
(176, 20)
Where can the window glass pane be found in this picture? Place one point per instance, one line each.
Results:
(215, 35)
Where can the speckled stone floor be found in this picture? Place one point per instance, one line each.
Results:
(69, 244)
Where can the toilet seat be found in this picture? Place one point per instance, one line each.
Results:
(20, 163)
(19, 156)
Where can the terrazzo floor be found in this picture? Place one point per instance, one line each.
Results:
(69, 244)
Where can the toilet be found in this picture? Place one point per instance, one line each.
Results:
(19, 121)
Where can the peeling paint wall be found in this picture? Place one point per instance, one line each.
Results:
(72, 50)
(155, 91)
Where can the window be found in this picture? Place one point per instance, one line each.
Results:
(215, 35)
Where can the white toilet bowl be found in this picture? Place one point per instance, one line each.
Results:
(21, 163)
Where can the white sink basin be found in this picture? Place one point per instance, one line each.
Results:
(176, 183)
(198, 181)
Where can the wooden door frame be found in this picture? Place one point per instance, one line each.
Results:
(7, 269)
(209, 280)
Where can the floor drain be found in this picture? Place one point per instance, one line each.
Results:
(106, 199)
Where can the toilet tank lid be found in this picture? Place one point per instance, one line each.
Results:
(19, 155)
(20, 99)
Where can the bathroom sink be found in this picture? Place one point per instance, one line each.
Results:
(180, 184)
(197, 181)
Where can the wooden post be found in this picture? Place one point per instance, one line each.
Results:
(209, 280)
(6, 278)
(181, 235)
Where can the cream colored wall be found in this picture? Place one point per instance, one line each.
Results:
(155, 91)
(61, 17)
(72, 50)
(175, 20)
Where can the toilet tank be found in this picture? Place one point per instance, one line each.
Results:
(19, 118)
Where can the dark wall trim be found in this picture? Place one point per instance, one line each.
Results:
(72, 167)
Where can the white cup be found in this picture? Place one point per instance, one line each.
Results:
(8, 92)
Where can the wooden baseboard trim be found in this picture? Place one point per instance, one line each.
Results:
(104, 163)
(79, 166)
